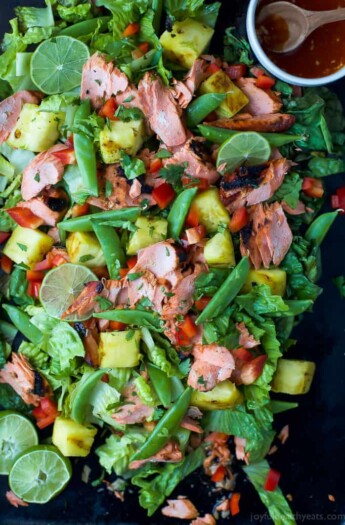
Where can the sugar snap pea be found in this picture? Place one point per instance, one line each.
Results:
(84, 224)
(161, 383)
(22, 322)
(86, 27)
(85, 151)
(179, 211)
(227, 292)
(202, 106)
(132, 316)
(318, 229)
(111, 246)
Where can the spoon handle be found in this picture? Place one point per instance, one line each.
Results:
(319, 18)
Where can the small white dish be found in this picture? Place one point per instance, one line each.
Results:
(267, 63)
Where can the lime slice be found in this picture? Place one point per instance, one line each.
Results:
(16, 435)
(61, 286)
(57, 63)
(39, 474)
(243, 149)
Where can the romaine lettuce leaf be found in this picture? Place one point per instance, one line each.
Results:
(116, 452)
(182, 9)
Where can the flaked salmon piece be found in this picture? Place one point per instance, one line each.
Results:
(161, 110)
(170, 453)
(129, 97)
(160, 259)
(10, 109)
(182, 300)
(181, 508)
(135, 189)
(54, 233)
(21, 377)
(252, 186)
(240, 449)
(273, 123)
(246, 339)
(133, 411)
(45, 169)
(196, 75)
(299, 210)
(199, 164)
(144, 286)
(101, 80)
(15, 500)
(269, 238)
(189, 423)
(212, 364)
(181, 93)
(50, 206)
(208, 519)
(91, 342)
(261, 101)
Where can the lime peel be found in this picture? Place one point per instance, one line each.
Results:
(243, 149)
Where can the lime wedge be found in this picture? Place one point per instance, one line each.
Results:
(39, 474)
(16, 435)
(57, 63)
(61, 286)
(243, 149)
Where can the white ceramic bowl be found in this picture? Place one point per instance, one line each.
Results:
(271, 67)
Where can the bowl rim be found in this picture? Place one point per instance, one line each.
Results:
(267, 63)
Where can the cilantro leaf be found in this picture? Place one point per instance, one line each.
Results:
(127, 114)
(132, 167)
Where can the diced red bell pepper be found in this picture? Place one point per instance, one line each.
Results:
(196, 234)
(272, 480)
(201, 184)
(238, 220)
(46, 413)
(219, 474)
(141, 50)
(24, 217)
(253, 369)
(211, 117)
(265, 82)
(35, 275)
(188, 327)
(70, 141)
(236, 71)
(123, 272)
(117, 325)
(132, 261)
(181, 338)
(4, 236)
(257, 71)
(155, 165)
(6, 264)
(313, 187)
(243, 354)
(78, 210)
(46, 264)
(108, 109)
(34, 289)
(192, 219)
(201, 303)
(66, 156)
(131, 29)
(338, 200)
(235, 503)
(212, 69)
(164, 195)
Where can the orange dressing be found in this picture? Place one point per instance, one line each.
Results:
(322, 54)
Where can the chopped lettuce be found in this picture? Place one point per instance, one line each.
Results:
(74, 14)
(34, 16)
(117, 450)
(289, 191)
(103, 400)
(18, 287)
(181, 9)
(145, 391)
(237, 50)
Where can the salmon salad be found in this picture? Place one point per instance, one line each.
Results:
(162, 213)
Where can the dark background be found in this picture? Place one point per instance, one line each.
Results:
(312, 461)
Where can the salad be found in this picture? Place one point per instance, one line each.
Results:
(160, 231)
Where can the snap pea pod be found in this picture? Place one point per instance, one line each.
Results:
(318, 229)
(165, 427)
(111, 246)
(85, 151)
(86, 27)
(22, 322)
(80, 397)
(84, 223)
(219, 135)
(133, 316)
(227, 292)
(157, 7)
(179, 211)
(202, 106)
(161, 383)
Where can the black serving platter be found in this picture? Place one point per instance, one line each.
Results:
(313, 459)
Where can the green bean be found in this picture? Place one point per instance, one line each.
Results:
(227, 292)
(318, 229)
(161, 383)
(202, 106)
(86, 27)
(111, 246)
(179, 211)
(84, 224)
(219, 135)
(22, 322)
(133, 316)
(85, 151)
(165, 427)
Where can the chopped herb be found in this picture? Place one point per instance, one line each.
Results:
(99, 82)
(167, 251)
(134, 276)
(145, 203)
(157, 414)
(163, 154)
(108, 190)
(104, 303)
(169, 294)
(23, 247)
(37, 177)
(151, 231)
(86, 258)
(201, 381)
(128, 99)
(132, 167)
(130, 334)
(127, 114)
(173, 173)
(107, 122)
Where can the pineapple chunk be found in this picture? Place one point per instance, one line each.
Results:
(84, 248)
(27, 246)
(224, 395)
(219, 250)
(35, 130)
(149, 231)
(72, 438)
(219, 82)
(210, 210)
(121, 136)
(186, 41)
(119, 349)
(274, 278)
(293, 376)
